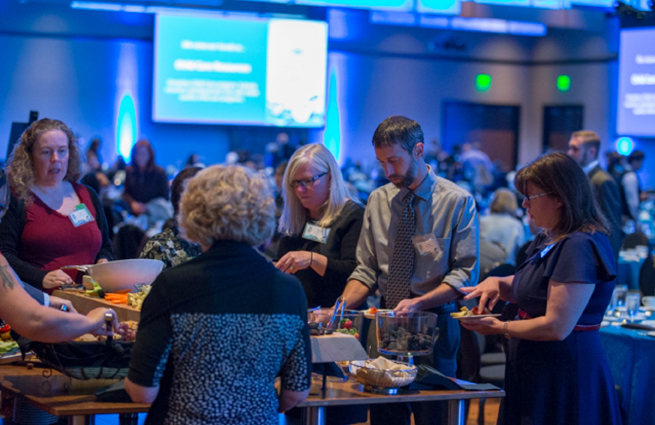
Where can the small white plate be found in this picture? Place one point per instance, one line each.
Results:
(379, 310)
(476, 316)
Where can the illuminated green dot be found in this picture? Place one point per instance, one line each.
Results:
(483, 82)
(563, 83)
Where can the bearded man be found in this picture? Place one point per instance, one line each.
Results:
(419, 245)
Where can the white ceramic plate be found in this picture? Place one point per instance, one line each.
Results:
(380, 310)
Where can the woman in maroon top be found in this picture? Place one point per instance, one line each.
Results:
(53, 221)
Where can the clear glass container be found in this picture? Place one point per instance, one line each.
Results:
(406, 334)
(349, 323)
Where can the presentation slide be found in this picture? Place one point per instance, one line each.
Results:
(636, 101)
(215, 70)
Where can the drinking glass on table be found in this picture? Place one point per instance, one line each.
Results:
(632, 303)
(611, 308)
(621, 292)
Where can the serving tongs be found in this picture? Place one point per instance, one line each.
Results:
(339, 308)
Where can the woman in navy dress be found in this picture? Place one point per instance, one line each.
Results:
(557, 371)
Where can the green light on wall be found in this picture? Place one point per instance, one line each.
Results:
(482, 82)
(563, 83)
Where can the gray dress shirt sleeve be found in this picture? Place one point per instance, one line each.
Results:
(464, 247)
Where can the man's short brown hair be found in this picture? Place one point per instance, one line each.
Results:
(590, 139)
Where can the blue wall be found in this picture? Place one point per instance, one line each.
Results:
(380, 71)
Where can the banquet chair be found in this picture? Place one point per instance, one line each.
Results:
(647, 277)
(634, 240)
(470, 367)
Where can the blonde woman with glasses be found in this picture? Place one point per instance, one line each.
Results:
(320, 224)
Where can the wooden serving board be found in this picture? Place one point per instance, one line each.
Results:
(84, 304)
(337, 347)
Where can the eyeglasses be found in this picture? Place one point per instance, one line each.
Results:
(530, 198)
(305, 183)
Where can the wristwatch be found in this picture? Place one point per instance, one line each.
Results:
(505, 331)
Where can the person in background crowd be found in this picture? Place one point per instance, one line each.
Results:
(584, 147)
(501, 225)
(478, 168)
(144, 180)
(270, 247)
(93, 156)
(194, 161)
(413, 277)
(169, 246)
(557, 372)
(52, 221)
(615, 164)
(217, 330)
(320, 225)
(631, 186)
(279, 151)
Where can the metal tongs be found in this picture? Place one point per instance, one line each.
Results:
(339, 308)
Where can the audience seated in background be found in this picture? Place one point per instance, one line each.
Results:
(501, 225)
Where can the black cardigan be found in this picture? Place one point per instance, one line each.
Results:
(340, 249)
(11, 231)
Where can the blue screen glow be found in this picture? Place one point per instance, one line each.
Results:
(636, 100)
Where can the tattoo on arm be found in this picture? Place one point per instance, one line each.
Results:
(6, 275)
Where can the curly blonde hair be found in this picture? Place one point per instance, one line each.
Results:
(227, 203)
(21, 165)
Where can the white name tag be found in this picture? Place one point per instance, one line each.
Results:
(426, 244)
(315, 233)
(80, 216)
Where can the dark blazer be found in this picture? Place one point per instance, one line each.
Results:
(608, 196)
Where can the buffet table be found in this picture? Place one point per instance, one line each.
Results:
(54, 396)
(61, 396)
(351, 393)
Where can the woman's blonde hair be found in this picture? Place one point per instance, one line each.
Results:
(227, 203)
(294, 214)
(504, 202)
(21, 164)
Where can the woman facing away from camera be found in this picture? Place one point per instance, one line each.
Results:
(557, 371)
(217, 330)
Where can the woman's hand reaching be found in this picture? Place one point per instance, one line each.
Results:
(488, 291)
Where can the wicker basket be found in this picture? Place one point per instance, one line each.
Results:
(382, 378)
(82, 359)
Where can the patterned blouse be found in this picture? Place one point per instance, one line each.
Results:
(214, 334)
(170, 248)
